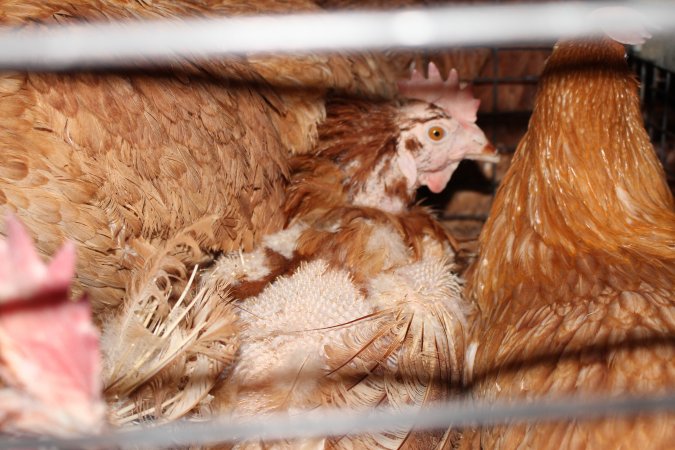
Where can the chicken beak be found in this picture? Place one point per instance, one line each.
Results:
(486, 154)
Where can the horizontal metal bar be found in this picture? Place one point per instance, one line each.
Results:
(525, 48)
(467, 217)
(505, 80)
(339, 422)
(119, 44)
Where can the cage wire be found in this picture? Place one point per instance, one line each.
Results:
(504, 124)
(657, 96)
(332, 422)
(507, 95)
(118, 44)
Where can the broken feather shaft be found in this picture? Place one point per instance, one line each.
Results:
(319, 423)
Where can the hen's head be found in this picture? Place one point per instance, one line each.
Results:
(432, 144)
(438, 130)
(385, 150)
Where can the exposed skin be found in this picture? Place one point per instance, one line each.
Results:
(445, 142)
(419, 145)
(351, 222)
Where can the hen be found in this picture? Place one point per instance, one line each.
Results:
(355, 304)
(575, 276)
(49, 359)
(162, 356)
(122, 162)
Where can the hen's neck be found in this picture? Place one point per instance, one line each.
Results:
(360, 137)
(594, 175)
(384, 188)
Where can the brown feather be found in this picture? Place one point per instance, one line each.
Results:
(166, 349)
(577, 260)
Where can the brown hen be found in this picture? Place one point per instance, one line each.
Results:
(576, 274)
(354, 304)
(122, 162)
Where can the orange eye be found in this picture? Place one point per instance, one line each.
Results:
(436, 133)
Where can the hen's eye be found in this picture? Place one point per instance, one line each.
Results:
(436, 133)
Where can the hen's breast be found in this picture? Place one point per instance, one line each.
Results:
(355, 319)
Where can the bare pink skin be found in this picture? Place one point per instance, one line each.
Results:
(434, 165)
(431, 164)
(49, 347)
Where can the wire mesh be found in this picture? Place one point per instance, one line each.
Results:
(657, 96)
(504, 123)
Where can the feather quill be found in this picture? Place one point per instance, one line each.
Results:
(164, 354)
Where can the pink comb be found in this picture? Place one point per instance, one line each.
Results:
(459, 103)
(22, 272)
(49, 350)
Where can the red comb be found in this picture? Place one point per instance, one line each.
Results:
(459, 103)
(22, 272)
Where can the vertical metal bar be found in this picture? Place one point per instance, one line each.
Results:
(647, 103)
(641, 69)
(495, 109)
(495, 78)
(664, 118)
